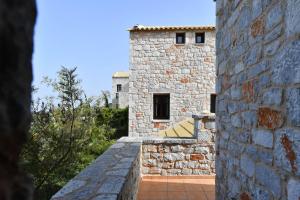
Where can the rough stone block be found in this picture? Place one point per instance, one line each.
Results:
(293, 189)
(248, 91)
(197, 157)
(167, 165)
(274, 16)
(187, 171)
(272, 97)
(287, 150)
(254, 55)
(286, 65)
(257, 27)
(181, 164)
(236, 121)
(149, 148)
(272, 48)
(176, 148)
(202, 150)
(155, 170)
(171, 157)
(263, 138)
(269, 118)
(293, 106)
(268, 178)
(210, 125)
(174, 171)
(292, 19)
(201, 172)
(150, 163)
(247, 165)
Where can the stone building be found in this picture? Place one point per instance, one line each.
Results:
(258, 103)
(172, 76)
(120, 89)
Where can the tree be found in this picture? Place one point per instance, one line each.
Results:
(64, 135)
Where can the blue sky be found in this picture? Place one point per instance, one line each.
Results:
(91, 34)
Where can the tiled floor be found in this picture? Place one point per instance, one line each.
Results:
(177, 188)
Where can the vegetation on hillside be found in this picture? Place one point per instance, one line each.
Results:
(68, 132)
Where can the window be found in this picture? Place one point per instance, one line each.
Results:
(180, 38)
(161, 106)
(213, 99)
(200, 38)
(119, 88)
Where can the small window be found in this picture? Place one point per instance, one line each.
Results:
(180, 38)
(119, 88)
(161, 106)
(117, 96)
(213, 98)
(200, 38)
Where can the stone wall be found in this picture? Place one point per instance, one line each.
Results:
(16, 46)
(171, 157)
(258, 103)
(158, 65)
(123, 100)
(115, 175)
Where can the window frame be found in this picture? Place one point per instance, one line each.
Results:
(167, 115)
(213, 103)
(197, 34)
(183, 35)
(119, 87)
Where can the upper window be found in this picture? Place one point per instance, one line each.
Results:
(161, 106)
(213, 99)
(180, 38)
(119, 88)
(200, 38)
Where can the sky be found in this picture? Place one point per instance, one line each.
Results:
(92, 35)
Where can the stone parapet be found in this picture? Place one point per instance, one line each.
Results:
(114, 175)
(172, 157)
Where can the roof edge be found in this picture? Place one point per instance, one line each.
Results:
(170, 28)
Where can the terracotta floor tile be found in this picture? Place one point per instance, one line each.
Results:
(210, 195)
(177, 188)
(196, 196)
(159, 187)
(208, 188)
(193, 188)
(177, 196)
(153, 196)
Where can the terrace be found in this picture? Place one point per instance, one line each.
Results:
(151, 168)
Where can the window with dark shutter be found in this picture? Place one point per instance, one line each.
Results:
(180, 38)
(213, 98)
(200, 38)
(161, 106)
(119, 88)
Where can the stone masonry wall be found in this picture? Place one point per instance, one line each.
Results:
(178, 157)
(114, 175)
(258, 103)
(16, 46)
(158, 65)
(123, 94)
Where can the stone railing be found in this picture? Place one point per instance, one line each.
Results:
(173, 157)
(115, 174)
(205, 127)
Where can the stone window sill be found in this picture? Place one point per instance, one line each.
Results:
(161, 120)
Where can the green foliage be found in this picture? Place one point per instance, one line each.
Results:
(68, 132)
